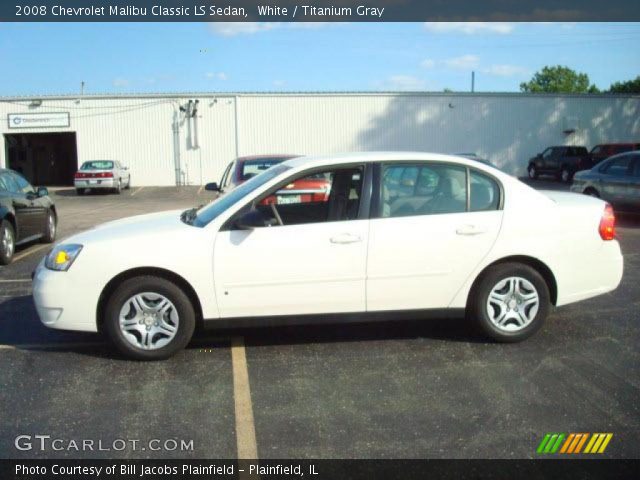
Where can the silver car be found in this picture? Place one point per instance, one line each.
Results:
(616, 180)
(101, 174)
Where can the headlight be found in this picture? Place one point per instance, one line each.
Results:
(62, 257)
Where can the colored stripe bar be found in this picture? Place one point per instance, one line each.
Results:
(567, 443)
(596, 446)
(550, 443)
(593, 439)
(543, 443)
(582, 440)
(555, 448)
(605, 443)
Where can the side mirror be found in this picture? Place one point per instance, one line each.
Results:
(250, 220)
(212, 187)
(42, 192)
(125, 167)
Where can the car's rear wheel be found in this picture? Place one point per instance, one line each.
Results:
(533, 172)
(149, 318)
(118, 188)
(7, 242)
(50, 228)
(128, 184)
(80, 191)
(592, 192)
(510, 302)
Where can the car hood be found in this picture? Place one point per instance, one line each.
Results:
(156, 225)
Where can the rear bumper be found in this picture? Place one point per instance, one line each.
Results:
(601, 273)
(99, 183)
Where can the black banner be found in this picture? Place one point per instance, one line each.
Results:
(317, 10)
(317, 469)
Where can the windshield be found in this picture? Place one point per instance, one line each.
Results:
(251, 168)
(97, 165)
(211, 211)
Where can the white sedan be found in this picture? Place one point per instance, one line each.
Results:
(396, 232)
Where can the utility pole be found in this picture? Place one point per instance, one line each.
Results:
(473, 81)
(82, 88)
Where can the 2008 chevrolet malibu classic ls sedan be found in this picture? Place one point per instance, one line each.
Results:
(396, 232)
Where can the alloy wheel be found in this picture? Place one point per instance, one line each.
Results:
(8, 245)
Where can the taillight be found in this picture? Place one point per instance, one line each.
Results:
(80, 175)
(105, 175)
(607, 227)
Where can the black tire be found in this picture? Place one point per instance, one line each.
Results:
(477, 308)
(158, 285)
(80, 191)
(50, 229)
(7, 249)
(565, 175)
(592, 192)
(128, 184)
(533, 172)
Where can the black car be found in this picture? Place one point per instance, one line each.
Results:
(26, 214)
(561, 161)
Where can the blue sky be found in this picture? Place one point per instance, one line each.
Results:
(53, 58)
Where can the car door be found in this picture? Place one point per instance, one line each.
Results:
(314, 263)
(36, 208)
(616, 180)
(423, 246)
(21, 206)
(634, 185)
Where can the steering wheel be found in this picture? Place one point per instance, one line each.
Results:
(276, 214)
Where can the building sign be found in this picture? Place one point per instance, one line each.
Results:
(38, 120)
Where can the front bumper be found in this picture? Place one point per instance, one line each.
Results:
(95, 183)
(62, 302)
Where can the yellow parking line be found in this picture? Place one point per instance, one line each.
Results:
(26, 253)
(137, 191)
(245, 427)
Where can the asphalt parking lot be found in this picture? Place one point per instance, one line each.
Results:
(410, 389)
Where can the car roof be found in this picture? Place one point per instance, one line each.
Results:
(369, 157)
(283, 156)
(624, 144)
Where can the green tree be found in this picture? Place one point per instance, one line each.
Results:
(558, 79)
(630, 86)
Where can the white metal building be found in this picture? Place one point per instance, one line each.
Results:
(190, 138)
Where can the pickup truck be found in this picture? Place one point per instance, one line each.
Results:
(560, 161)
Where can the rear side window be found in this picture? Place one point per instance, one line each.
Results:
(618, 166)
(485, 193)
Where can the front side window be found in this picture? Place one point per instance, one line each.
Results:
(331, 195)
(23, 185)
(410, 189)
(211, 211)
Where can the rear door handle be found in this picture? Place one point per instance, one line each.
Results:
(470, 230)
(345, 238)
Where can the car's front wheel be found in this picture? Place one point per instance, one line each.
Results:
(149, 318)
(49, 234)
(533, 172)
(565, 175)
(510, 303)
(7, 242)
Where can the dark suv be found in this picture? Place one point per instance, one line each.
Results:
(562, 162)
(26, 214)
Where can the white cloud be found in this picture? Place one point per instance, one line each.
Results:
(470, 28)
(427, 63)
(403, 82)
(121, 82)
(216, 75)
(231, 29)
(463, 62)
(279, 83)
(505, 70)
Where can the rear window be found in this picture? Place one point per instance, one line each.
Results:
(251, 168)
(97, 165)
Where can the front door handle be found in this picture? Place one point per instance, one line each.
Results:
(470, 230)
(345, 238)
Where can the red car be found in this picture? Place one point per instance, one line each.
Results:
(606, 150)
(314, 188)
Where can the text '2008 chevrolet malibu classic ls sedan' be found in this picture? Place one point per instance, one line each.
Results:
(396, 232)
